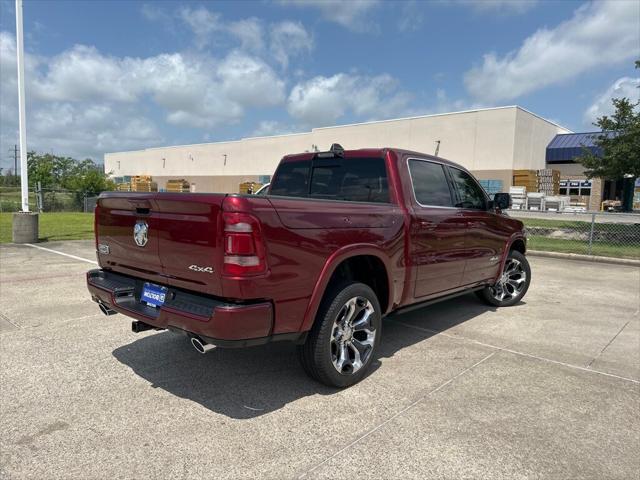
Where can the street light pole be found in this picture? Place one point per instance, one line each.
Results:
(25, 223)
(24, 181)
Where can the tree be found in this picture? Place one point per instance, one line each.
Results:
(87, 179)
(79, 178)
(619, 141)
(50, 170)
(620, 145)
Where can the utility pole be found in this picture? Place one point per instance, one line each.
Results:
(15, 160)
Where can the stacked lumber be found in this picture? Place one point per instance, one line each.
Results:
(549, 181)
(526, 178)
(143, 183)
(249, 187)
(178, 186)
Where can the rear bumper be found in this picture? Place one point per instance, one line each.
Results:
(194, 314)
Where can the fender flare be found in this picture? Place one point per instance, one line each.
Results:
(513, 239)
(335, 259)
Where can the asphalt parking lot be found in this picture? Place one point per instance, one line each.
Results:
(549, 388)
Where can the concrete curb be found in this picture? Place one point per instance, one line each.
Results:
(585, 258)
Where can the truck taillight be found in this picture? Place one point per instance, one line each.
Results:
(96, 214)
(244, 252)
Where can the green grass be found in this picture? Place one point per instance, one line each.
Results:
(604, 249)
(54, 226)
(576, 225)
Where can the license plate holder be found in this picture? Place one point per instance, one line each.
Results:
(153, 295)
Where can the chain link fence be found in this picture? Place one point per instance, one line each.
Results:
(46, 200)
(591, 233)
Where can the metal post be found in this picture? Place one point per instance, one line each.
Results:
(40, 198)
(593, 221)
(24, 181)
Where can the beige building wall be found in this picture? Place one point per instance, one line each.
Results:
(486, 140)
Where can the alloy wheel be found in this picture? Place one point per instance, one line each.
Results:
(353, 336)
(511, 283)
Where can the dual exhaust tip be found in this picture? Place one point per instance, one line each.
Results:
(201, 346)
(106, 310)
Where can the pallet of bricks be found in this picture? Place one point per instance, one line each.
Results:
(178, 186)
(143, 183)
(549, 181)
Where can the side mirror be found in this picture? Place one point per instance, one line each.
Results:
(502, 201)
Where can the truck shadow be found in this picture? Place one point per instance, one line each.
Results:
(246, 383)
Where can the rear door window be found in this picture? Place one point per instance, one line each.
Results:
(430, 184)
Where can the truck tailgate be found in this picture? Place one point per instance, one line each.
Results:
(183, 237)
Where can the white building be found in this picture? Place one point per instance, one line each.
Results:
(490, 142)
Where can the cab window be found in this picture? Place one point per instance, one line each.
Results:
(470, 194)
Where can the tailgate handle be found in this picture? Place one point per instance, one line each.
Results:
(142, 206)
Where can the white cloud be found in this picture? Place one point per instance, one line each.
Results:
(203, 22)
(411, 16)
(250, 33)
(273, 127)
(352, 14)
(623, 87)
(82, 102)
(250, 82)
(599, 34)
(501, 6)
(289, 39)
(322, 100)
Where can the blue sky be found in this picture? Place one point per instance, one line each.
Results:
(119, 75)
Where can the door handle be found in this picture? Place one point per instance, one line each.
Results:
(425, 225)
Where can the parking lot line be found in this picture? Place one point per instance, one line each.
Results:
(61, 253)
(516, 352)
(395, 415)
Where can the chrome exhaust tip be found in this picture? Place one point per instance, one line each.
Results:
(106, 310)
(201, 346)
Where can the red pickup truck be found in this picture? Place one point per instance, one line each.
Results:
(341, 239)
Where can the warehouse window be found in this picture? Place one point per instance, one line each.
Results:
(430, 184)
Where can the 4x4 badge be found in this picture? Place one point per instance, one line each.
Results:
(140, 233)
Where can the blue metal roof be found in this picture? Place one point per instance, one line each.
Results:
(565, 147)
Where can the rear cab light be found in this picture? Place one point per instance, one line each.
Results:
(244, 252)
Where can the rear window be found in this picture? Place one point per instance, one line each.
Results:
(352, 179)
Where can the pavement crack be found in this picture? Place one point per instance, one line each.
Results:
(516, 352)
(396, 415)
(8, 320)
(607, 345)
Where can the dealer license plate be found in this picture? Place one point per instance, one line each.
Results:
(153, 295)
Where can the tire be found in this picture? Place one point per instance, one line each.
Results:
(345, 335)
(512, 285)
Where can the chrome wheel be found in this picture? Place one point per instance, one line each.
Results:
(352, 336)
(511, 283)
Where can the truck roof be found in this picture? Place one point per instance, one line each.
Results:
(370, 152)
